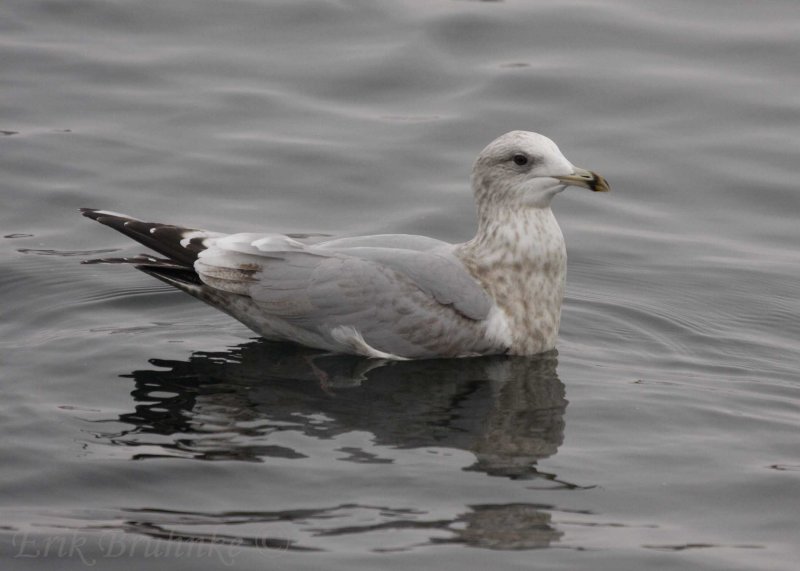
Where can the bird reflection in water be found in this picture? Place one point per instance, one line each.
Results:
(507, 411)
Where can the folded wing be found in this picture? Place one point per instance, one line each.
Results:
(396, 301)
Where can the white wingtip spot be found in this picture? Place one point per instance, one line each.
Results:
(189, 236)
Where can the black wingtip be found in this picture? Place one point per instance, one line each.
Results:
(96, 214)
(101, 215)
(165, 239)
(185, 279)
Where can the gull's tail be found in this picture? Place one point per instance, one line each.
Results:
(180, 245)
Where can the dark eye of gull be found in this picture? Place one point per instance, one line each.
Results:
(520, 160)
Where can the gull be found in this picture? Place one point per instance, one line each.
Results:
(393, 296)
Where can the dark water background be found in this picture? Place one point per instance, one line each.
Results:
(142, 428)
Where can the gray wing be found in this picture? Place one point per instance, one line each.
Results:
(438, 273)
(395, 241)
(401, 301)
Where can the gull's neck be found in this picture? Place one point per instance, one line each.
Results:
(519, 257)
(511, 236)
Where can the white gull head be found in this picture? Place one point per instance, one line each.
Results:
(523, 169)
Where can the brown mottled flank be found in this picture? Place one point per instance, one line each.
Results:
(394, 296)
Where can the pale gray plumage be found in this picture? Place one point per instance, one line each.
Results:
(394, 296)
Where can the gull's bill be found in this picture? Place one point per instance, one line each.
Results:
(587, 179)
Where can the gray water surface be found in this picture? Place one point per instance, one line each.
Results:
(142, 428)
